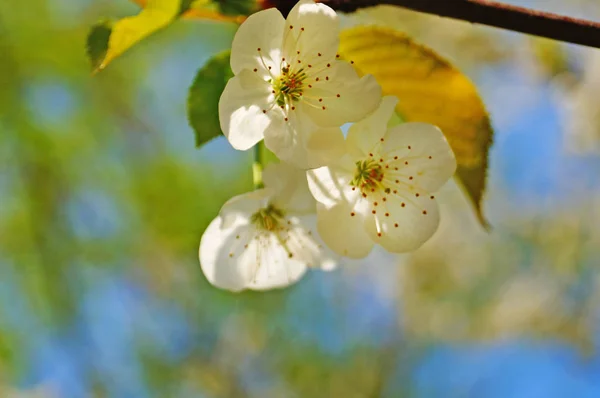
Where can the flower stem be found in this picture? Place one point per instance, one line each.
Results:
(257, 166)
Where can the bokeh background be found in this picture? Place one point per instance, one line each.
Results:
(104, 198)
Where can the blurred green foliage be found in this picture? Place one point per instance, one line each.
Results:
(99, 177)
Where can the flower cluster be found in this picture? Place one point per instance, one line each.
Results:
(330, 196)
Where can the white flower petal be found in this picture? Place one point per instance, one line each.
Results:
(221, 269)
(424, 158)
(238, 253)
(294, 138)
(340, 96)
(241, 257)
(237, 210)
(324, 146)
(262, 30)
(402, 222)
(290, 187)
(330, 185)
(271, 264)
(364, 136)
(241, 109)
(343, 232)
(313, 30)
(305, 244)
(284, 137)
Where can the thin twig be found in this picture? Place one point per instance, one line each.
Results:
(492, 13)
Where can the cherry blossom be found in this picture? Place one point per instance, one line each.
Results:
(267, 238)
(381, 190)
(291, 89)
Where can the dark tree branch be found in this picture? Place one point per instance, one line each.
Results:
(492, 13)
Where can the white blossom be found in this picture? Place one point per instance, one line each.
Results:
(290, 87)
(266, 238)
(380, 191)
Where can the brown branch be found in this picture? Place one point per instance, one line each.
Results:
(492, 13)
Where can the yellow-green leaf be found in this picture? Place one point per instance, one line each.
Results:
(216, 10)
(430, 90)
(108, 41)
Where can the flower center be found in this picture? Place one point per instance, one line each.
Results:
(288, 87)
(268, 218)
(369, 176)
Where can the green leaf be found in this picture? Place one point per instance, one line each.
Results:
(203, 99)
(97, 43)
(107, 41)
(184, 6)
(237, 7)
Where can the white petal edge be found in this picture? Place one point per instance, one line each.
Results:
(364, 136)
(314, 33)
(294, 138)
(237, 210)
(331, 185)
(343, 233)
(306, 245)
(340, 96)
(241, 257)
(272, 267)
(241, 110)
(290, 188)
(402, 228)
(263, 30)
(423, 146)
(218, 268)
